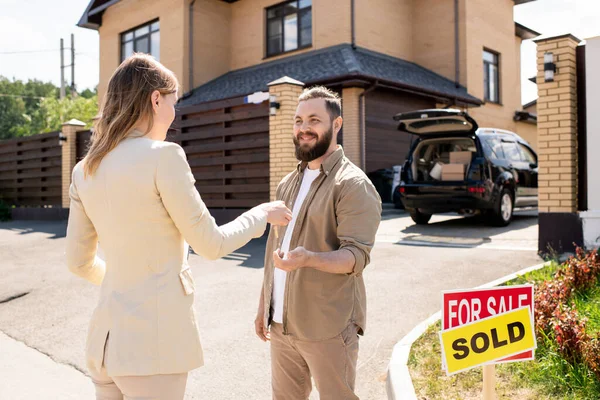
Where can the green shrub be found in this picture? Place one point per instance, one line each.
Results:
(557, 317)
(5, 213)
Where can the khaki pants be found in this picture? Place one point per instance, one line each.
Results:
(150, 387)
(331, 362)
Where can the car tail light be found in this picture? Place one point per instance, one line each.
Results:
(477, 189)
(402, 189)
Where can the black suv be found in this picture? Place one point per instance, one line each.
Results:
(455, 166)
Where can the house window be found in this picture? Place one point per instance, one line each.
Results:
(143, 39)
(289, 26)
(491, 77)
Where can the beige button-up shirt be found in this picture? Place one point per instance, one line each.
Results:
(342, 210)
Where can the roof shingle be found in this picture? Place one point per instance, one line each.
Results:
(329, 64)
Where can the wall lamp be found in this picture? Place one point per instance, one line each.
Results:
(549, 67)
(61, 139)
(273, 105)
(259, 97)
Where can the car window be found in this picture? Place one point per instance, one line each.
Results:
(527, 154)
(440, 149)
(511, 151)
(492, 148)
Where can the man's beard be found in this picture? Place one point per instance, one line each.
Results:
(319, 149)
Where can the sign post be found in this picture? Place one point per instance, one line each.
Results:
(489, 382)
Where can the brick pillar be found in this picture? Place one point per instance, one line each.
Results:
(353, 114)
(282, 158)
(69, 155)
(559, 223)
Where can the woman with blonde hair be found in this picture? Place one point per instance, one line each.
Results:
(134, 193)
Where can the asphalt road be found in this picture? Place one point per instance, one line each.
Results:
(409, 268)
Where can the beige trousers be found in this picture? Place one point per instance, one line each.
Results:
(150, 387)
(331, 363)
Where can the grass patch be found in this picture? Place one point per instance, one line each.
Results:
(588, 304)
(548, 377)
(543, 274)
(431, 382)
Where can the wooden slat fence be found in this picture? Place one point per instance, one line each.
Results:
(30, 170)
(83, 142)
(227, 145)
(226, 142)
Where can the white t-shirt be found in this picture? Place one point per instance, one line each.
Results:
(279, 275)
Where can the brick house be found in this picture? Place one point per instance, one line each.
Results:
(526, 122)
(382, 56)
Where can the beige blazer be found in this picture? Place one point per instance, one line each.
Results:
(141, 205)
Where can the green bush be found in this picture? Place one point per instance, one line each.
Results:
(557, 317)
(5, 213)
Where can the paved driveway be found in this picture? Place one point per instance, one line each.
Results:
(410, 266)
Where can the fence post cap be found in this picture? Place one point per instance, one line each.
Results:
(285, 80)
(74, 122)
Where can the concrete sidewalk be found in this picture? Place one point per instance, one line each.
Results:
(27, 374)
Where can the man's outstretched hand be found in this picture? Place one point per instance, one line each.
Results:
(297, 258)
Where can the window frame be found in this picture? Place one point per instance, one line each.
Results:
(298, 12)
(149, 24)
(486, 78)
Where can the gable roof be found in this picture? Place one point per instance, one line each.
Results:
(524, 32)
(334, 64)
(531, 103)
(92, 16)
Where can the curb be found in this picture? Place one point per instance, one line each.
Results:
(399, 384)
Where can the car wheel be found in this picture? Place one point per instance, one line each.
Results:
(397, 199)
(398, 204)
(503, 210)
(419, 217)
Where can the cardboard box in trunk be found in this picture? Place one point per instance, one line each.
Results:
(453, 172)
(460, 157)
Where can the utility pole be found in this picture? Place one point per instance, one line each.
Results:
(73, 91)
(63, 66)
(62, 69)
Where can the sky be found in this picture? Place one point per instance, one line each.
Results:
(580, 18)
(30, 33)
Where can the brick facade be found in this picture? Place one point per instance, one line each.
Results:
(69, 155)
(232, 36)
(127, 14)
(282, 159)
(353, 115)
(557, 127)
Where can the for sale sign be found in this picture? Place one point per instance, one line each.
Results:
(461, 307)
(488, 339)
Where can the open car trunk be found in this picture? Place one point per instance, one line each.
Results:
(442, 159)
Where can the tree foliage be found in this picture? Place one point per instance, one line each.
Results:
(28, 108)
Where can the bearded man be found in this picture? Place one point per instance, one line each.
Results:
(312, 305)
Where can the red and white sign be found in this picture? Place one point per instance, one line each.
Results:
(461, 307)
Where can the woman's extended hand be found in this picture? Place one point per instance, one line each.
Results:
(277, 213)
